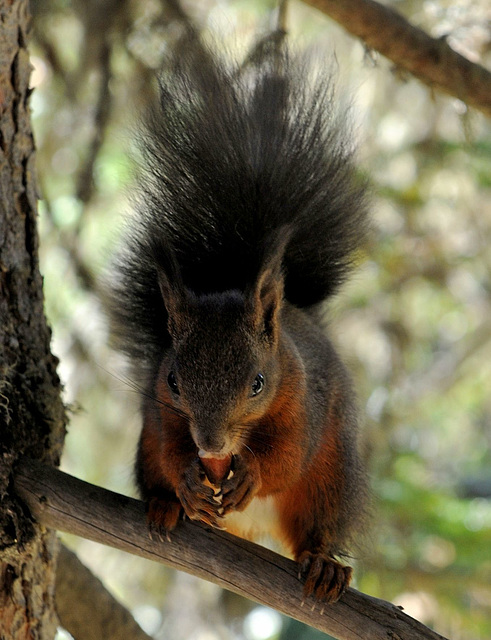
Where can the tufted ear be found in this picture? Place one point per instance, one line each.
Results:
(172, 290)
(267, 303)
(267, 294)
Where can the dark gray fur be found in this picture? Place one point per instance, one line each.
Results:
(231, 157)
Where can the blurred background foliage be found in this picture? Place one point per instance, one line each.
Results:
(414, 323)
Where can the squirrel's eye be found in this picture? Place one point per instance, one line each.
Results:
(172, 382)
(258, 384)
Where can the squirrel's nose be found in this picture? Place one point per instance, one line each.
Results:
(208, 448)
(211, 443)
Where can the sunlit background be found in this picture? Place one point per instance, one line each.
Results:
(413, 325)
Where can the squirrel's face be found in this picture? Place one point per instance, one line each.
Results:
(221, 372)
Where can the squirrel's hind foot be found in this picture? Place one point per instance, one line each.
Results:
(324, 578)
(162, 517)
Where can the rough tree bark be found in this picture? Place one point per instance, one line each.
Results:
(32, 419)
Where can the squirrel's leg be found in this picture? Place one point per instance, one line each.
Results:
(170, 476)
(311, 517)
(163, 508)
(308, 526)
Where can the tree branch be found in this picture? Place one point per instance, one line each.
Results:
(431, 60)
(62, 502)
(85, 607)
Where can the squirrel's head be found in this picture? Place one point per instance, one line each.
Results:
(222, 370)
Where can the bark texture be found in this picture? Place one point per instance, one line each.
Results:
(32, 417)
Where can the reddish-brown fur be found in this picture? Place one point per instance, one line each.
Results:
(250, 211)
(308, 493)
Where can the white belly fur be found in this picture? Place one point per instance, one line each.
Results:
(257, 522)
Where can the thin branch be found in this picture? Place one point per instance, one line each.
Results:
(70, 242)
(60, 501)
(86, 608)
(103, 106)
(431, 60)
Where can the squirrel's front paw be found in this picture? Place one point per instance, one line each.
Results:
(241, 485)
(325, 579)
(198, 499)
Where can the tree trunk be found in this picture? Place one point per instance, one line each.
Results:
(32, 419)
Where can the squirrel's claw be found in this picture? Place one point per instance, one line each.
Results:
(241, 485)
(162, 517)
(325, 579)
(200, 501)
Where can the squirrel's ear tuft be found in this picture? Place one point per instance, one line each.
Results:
(268, 289)
(171, 287)
(267, 303)
(170, 293)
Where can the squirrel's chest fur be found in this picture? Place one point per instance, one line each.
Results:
(258, 521)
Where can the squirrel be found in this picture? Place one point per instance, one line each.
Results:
(248, 212)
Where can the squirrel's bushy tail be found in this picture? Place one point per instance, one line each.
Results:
(233, 156)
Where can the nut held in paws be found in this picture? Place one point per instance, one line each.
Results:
(216, 469)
